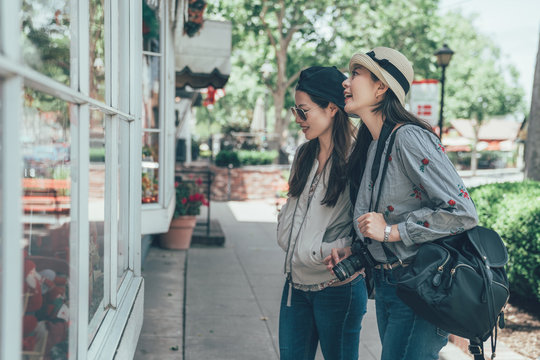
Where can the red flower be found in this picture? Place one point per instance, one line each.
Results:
(198, 181)
(176, 183)
(184, 201)
(390, 208)
(426, 224)
(425, 161)
(389, 158)
(451, 202)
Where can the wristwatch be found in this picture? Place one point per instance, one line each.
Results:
(387, 230)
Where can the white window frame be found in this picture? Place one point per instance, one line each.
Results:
(156, 218)
(121, 324)
(11, 256)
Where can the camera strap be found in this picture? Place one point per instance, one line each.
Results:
(386, 132)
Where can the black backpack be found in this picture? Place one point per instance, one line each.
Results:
(458, 283)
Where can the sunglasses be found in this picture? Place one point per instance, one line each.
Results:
(299, 112)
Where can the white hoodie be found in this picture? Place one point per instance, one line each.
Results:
(308, 233)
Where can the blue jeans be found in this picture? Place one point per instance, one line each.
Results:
(404, 335)
(332, 316)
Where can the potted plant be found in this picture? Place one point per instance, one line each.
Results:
(189, 199)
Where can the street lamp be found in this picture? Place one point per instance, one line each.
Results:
(444, 55)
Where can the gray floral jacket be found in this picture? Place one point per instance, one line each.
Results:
(422, 193)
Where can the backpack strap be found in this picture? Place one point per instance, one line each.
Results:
(390, 256)
(476, 348)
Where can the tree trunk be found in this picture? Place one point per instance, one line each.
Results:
(474, 151)
(532, 145)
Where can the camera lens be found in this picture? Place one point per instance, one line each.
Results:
(347, 267)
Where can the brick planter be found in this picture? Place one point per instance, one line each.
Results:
(248, 182)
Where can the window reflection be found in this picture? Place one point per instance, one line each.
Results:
(150, 168)
(97, 50)
(151, 78)
(96, 210)
(46, 183)
(46, 37)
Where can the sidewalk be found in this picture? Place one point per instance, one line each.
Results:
(232, 295)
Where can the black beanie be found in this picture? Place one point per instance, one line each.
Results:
(323, 82)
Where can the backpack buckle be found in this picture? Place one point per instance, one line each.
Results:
(475, 349)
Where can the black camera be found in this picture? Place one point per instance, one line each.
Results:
(360, 258)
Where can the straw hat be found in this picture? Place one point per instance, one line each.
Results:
(390, 66)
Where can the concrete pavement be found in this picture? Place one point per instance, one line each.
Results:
(232, 295)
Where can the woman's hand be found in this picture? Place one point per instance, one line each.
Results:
(372, 225)
(336, 256)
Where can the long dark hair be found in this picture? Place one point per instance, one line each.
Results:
(337, 180)
(393, 113)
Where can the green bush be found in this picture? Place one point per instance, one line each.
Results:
(226, 157)
(513, 210)
(245, 157)
(97, 154)
(249, 157)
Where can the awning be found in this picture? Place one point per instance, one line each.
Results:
(204, 59)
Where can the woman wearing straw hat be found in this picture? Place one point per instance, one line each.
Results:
(422, 197)
(315, 306)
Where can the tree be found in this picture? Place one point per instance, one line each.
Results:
(295, 35)
(478, 85)
(532, 147)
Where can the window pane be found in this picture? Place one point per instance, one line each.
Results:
(151, 26)
(150, 167)
(123, 199)
(96, 210)
(46, 37)
(46, 183)
(150, 79)
(97, 50)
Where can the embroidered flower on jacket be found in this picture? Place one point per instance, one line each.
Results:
(424, 163)
(423, 223)
(440, 147)
(388, 210)
(389, 158)
(463, 191)
(417, 194)
(452, 203)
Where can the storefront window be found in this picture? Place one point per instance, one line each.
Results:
(46, 202)
(97, 50)
(96, 213)
(46, 38)
(151, 79)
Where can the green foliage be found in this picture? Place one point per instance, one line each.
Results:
(513, 210)
(250, 157)
(478, 84)
(97, 154)
(226, 157)
(245, 157)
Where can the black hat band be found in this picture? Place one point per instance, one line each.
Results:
(392, 70)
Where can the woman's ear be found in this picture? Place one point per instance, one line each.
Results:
(333, 109)
(381, 89)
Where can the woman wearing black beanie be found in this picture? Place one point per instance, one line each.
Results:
(316, 306)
